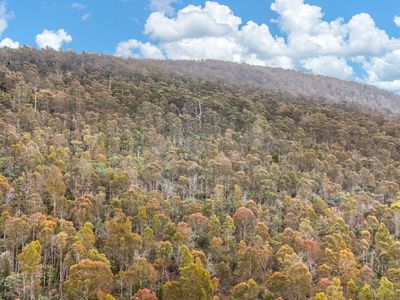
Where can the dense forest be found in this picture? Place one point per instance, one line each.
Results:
(121, 179)
(295, 83)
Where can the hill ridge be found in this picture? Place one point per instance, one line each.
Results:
(331, 89)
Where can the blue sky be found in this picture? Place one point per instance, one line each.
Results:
(112, 21)
(354, 39)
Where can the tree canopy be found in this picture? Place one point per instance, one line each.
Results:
(130, 181)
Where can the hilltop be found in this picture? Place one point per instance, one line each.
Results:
(295, 83)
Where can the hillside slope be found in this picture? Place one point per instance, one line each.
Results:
(127, 180)
(334, 90)
(269, 79)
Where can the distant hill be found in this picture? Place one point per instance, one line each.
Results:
(270, 79)
(296, 83)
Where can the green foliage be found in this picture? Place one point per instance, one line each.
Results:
(185, 256)
(385, 290)
(30, 257)
(195, 283)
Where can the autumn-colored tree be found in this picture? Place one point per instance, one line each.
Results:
(87, 278)
(141, 274)
(87, 235)
(298, 281)
(347, 265)
(185, 256)
(56, 188)
(244, 221)
(121, 244)
(145, 294)
(29, 260)
(198, 222)
(252, 261)
(83, 209)
(246, 290)
(16, 231)
(366, 293)
(195, 283)
(321, 296)
(335, 291)
(385, 290)
(4, 186)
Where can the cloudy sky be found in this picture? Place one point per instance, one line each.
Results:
(349, 39)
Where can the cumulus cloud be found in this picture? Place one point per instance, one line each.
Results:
(396, 20)
(207, 47)
(308, 42)
(328, 66)
(192, 22)
(296, 17)
(52, 39)
(135, 49)
(9, 43)
(258, 40)
(385, 68)
(214, 31)
(365, 38)
(393, 86)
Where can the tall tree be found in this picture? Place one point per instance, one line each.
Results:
(87, 279)
(29, 260)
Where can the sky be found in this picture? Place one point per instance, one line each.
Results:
(349, 39)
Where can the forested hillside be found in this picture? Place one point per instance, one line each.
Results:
(296, 83)
(122, 179)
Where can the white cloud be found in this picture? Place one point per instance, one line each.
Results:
(163, 6)
(9, 43)
(365, 38)
(396, 20)
(296, 17)
(308, 41)
(213, 31)
(78, 6)
(328, 66)
(193, 25)
(309, 35)
(192, 22)
(385, 68)
(220, 48)
(5, 16)
(136, 49)
(52, 39)
(86, 16)
(393, 86)
(258, 40)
